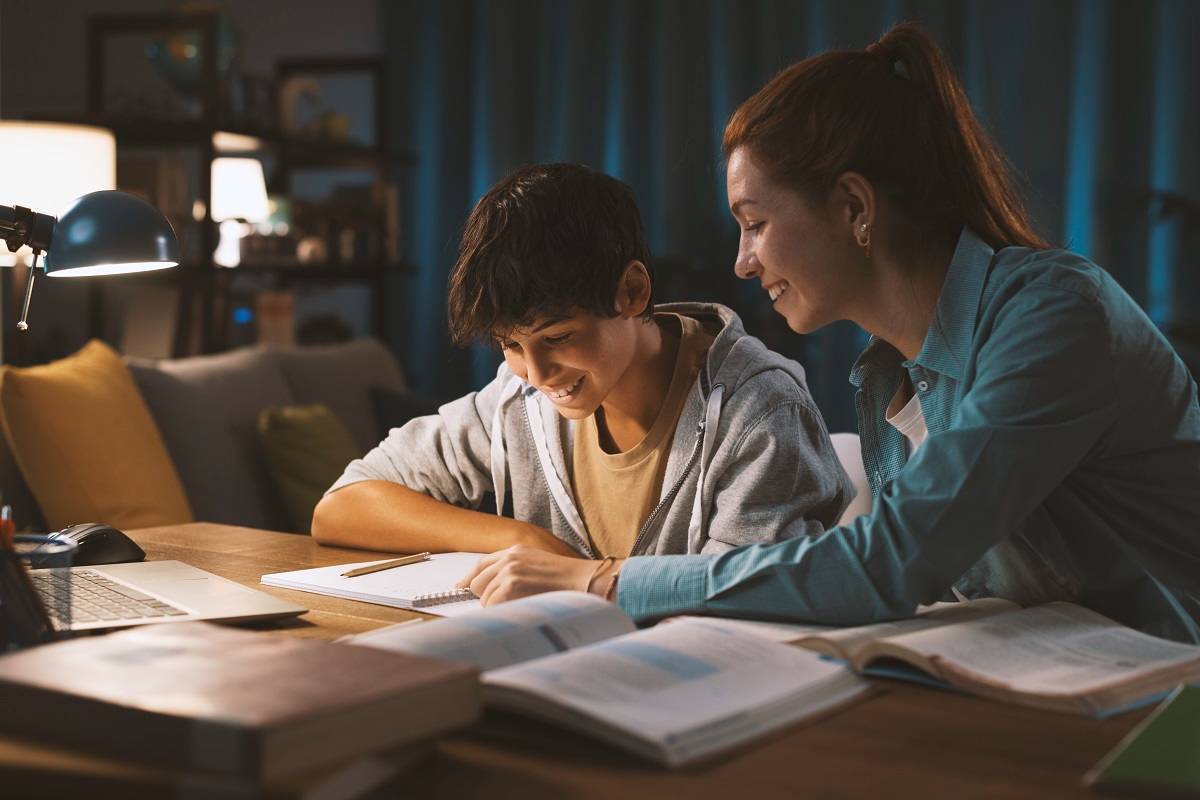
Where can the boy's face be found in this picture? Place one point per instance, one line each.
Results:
(575, 360)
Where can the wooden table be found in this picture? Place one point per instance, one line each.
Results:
(908, 741)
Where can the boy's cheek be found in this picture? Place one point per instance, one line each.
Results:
(516, 364)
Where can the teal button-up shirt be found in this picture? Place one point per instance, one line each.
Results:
(1063, 462)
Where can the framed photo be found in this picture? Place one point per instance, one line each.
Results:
(333, 100)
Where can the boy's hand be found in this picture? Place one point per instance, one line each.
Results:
(544, 540)
(521, 571)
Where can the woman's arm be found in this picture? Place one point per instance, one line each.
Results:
(1043, 395)
(380, 515)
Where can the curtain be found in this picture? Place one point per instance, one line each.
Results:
(1094, 102)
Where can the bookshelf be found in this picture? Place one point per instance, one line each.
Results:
(208, 292)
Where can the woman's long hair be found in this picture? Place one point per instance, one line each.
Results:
(897, 114)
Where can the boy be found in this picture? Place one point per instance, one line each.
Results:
(614, 427)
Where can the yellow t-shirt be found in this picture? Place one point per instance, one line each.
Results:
(616, 492)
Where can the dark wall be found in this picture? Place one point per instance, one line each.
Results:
(1093, 100)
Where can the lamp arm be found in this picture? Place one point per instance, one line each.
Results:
(23, 324)
(21, 226)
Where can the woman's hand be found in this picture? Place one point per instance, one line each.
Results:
(521, 571)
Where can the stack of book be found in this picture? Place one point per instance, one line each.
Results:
(193, 709)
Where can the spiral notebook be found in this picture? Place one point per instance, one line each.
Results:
(427, 586)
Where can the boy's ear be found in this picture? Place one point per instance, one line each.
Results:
(633, 290)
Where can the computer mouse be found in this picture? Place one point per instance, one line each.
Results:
(97, 543)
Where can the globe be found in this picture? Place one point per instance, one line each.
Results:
(178, 57)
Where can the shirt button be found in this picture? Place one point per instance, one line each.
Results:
(922, 386)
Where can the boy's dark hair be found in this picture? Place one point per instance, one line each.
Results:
(546, 240)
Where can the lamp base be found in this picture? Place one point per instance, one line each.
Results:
(229, 248)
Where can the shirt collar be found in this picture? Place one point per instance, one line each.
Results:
(947, 344)
(948, 341)
(876, 354)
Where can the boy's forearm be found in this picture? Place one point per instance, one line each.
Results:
(380, 515)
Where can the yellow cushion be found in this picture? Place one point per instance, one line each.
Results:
(87, 445)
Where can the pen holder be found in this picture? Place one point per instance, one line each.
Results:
(35, 591)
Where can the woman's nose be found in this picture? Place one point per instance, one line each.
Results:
(746, 265)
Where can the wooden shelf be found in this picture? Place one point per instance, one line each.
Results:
(318, 272)
(145, 131)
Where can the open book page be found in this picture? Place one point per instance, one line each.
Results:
(835, 641)
(1058, 648)
(848, 643)
(676, 692)
(508, 633)
(784, 632)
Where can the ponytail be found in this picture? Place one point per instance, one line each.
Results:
(897, 114)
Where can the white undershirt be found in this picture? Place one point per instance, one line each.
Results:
(910, 421)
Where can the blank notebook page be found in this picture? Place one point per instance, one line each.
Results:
(401, 587)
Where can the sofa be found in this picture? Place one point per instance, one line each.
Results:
(206, 410)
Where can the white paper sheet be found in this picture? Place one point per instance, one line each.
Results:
(398, 587)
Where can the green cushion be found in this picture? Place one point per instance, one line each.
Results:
(307, 449)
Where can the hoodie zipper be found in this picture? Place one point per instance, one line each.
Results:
(670, 496)
(583, 546)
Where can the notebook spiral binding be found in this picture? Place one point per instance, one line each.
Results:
(441, 598)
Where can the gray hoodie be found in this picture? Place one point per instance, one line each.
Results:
(749, 458)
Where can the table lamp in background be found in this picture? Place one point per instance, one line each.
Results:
(49, 203)
(239, 196)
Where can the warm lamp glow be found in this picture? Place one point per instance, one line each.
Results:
(239, 190)
(47, 165)
(226, 142)
(112, 269)
(239, 196)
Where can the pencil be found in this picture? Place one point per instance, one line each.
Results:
(395, 562)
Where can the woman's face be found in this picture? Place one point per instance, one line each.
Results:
(800, 251)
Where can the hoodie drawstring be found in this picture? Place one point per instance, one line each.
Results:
(712, 417)
(499, 453)
(563, 498)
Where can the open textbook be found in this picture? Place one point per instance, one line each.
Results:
(1058, 656)
(672, 694)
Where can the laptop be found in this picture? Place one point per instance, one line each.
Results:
(150, 592)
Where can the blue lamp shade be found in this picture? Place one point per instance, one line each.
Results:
(109, 233)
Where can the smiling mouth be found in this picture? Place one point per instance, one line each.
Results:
(776, 291)
(565, 393)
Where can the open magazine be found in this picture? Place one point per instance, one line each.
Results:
(1058, 656)
(671, 694)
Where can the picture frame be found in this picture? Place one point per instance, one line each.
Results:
(337, 100)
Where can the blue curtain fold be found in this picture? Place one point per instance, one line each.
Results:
(1092, 100)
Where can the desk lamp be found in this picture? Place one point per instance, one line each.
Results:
(99, 233)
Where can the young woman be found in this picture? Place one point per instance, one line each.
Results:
(1027, 432)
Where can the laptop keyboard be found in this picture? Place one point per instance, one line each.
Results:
(95, 598)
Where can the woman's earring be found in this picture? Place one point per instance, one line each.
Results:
(864, 238)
